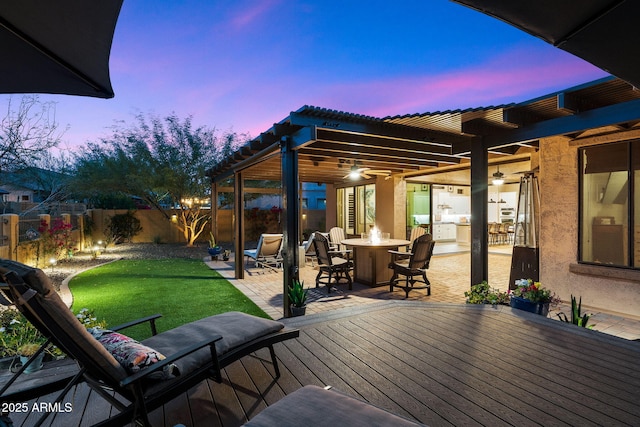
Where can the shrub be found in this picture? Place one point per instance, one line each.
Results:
(55, 240)
(122, 227)
(482, 293)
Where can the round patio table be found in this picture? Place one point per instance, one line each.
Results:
(371, 260)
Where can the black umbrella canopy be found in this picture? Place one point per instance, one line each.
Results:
(57, 46)
(601, 32)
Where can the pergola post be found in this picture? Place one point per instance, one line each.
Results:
(479, 213)
(291, 208)
(238, 223)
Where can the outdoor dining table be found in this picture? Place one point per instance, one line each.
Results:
(371, 259)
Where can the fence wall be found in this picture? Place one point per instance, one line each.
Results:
(20, 241)
(155, 225)
(16, 243)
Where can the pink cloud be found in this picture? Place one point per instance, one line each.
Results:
(249, 14)
(505, 79)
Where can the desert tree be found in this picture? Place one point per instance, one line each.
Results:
(162, 160)
(28, 131)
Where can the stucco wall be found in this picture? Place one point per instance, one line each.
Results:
(558, 180)
(391, 206)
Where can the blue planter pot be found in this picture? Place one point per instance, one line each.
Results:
(215, 251)
(541, 308)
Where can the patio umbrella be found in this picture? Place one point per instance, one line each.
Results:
(602, 32)
(59, 47)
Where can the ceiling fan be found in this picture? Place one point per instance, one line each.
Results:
(499, 178)
(366, 173)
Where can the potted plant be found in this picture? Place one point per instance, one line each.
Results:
(530, 296)
(225, 255)
(25, 352)
(482, 293)
(297, 298)
(214, 250)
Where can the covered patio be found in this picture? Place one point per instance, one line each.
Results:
(455, 147)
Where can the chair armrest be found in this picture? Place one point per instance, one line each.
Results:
(347, 251)
(399, 253)
(170, 359)
(151, 319)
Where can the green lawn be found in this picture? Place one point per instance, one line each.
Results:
(182, 290)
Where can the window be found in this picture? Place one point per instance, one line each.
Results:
(356, 208)
(305, 203)
(322, 203)
(609, 204)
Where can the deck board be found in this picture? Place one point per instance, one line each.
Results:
(517, 367)
(439, 364)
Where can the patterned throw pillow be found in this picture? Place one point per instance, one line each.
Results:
(131, 354)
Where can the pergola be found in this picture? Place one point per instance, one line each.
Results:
(311, 144)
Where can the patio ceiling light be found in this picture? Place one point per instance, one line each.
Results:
(355, 172)
(498, 178)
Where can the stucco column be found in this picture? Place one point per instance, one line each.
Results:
(391, 205)
(9, 236)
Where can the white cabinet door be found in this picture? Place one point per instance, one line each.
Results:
(444, 232)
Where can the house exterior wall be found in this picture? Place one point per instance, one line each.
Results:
(558, 179)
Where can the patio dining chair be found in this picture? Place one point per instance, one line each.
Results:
(332, 267)
(415, 233)
(268, 251)
(336, 236)
(134, 377)
(413, 271)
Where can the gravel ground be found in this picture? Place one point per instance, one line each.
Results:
(83, 261)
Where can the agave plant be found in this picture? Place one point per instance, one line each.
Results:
(297, 294)
(577, 318)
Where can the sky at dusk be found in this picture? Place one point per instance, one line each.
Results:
(246, 64)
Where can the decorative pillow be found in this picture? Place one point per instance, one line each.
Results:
(132, 355)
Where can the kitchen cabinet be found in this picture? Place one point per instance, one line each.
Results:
(463, 233)
(444, 232)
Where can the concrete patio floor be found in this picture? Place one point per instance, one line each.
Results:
(449, 274)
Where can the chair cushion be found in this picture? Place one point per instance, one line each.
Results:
(314, 406)
(235, 328)
(337, 261)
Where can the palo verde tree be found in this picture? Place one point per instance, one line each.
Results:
(163, 161)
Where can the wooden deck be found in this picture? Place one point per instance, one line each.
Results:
(440, 364)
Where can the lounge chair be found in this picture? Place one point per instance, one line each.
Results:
(309, 251)
(267, 253)
(413, 271)
(319, 407)
(195, 351)
(331, 265)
